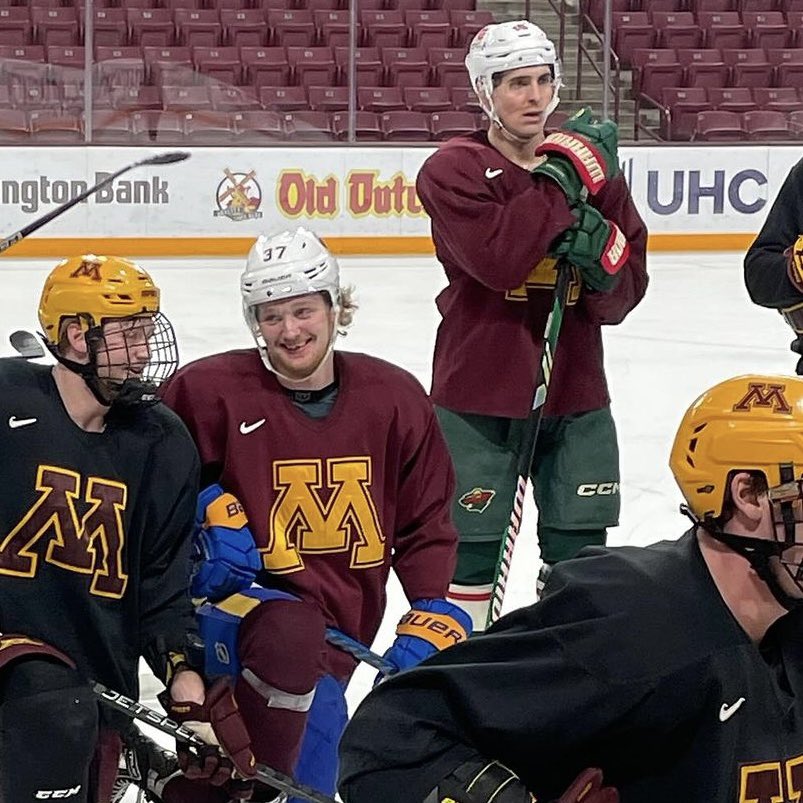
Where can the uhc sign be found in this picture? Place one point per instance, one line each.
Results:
(688, 188)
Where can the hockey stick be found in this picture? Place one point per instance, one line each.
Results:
(359, 651)
(163, 723)
(158, 159)
(528, 439)
(27, 345)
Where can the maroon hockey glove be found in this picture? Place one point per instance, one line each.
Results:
(219, 723)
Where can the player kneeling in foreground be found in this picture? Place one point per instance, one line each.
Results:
(675, 668)
(322, 470)
(98, 494)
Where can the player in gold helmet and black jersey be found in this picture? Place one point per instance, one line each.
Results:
(97, 497)
(676, 669)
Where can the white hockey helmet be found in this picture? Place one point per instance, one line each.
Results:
(283, 266)
(504, 46)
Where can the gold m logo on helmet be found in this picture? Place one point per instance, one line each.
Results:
(89, 267)
(761, 394)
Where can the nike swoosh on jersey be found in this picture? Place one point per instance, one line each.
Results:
(247, 429)
(16, 423)
(493, 173)
(727, 711)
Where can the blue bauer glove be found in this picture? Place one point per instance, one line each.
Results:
(429, 626)
(226, 556)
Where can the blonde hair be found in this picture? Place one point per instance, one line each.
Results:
(347, 308)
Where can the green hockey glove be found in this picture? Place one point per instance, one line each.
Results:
(582, 155)
(596, 246)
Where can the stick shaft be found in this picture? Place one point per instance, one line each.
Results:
(163, 723)
(6, 243)
(528, 441)
(358, 650)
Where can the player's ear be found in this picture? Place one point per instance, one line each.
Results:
(746, 499)
(73, 338)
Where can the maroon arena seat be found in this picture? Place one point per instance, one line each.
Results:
(427, 99)
(732, 98)
(312, 66)
(328, 98)
(265, 66)
(284, 98)
(405, 126)
(291, 27)
(747, 67)
(367, 127)
(722, 29)
(444, 125)
(257, 127)
(244, 27)
(779, 99)
(715, 126)
(683, 105)
(766, 126)
(308, 126)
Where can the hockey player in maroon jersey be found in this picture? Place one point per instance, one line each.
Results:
(676, 668)
(505, 204)
(98, 493)
(333, 463)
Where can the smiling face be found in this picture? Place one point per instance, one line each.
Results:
(297, 334)
(124, 351)
(520, 99)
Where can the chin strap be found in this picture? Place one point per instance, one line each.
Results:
(757, 551)
(127, 393)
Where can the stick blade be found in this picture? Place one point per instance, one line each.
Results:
(166, 158)
(27, 344)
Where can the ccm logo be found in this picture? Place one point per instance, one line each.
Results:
(598, 489)
(52, 794)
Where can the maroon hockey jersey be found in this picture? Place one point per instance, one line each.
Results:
(333, 503)
(493, 224)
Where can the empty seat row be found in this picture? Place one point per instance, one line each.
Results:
(118, 27)
(257, 127)
(378, 5)
(654, 69)
(637, 30)
(70, 98)
(681, 105)
(754, 126)
(256, 66)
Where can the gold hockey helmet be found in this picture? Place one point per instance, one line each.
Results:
(748, 423)
(94, 288)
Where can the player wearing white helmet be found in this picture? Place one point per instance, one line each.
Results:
(517, 45)
(334, 470)
(506, 204)
(301, 280)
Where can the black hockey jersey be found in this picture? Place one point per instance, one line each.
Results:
(94, 528)
(765, 263)
(632, 663)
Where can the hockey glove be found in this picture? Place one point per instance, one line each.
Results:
(794, 263)
(227, 560)
(582, 155)
(596, 246)
(219, 723)
(429, 626)
(482, 781)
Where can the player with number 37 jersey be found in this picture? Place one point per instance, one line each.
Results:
(322, 473)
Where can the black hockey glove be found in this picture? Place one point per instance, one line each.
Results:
(482, 781)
